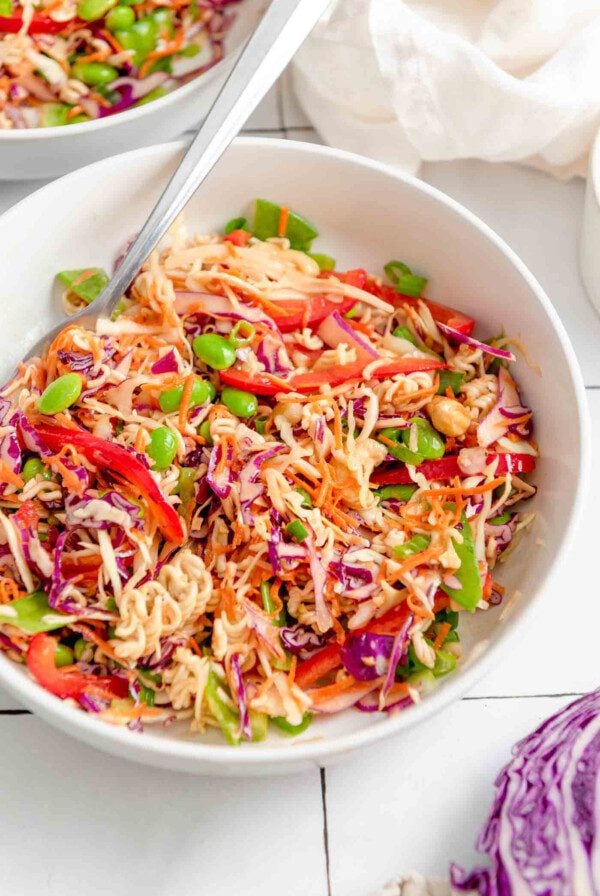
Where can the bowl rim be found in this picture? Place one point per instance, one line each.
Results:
(211, 757)
(134, 112)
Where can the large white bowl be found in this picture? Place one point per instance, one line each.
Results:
(367, 213)
(38, 153)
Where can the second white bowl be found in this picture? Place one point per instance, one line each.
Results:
(38, 153)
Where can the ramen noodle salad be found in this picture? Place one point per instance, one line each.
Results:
(266, 489)
(65, 62)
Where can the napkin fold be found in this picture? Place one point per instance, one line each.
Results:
(407, 81)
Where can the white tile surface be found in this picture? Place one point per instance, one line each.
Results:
(414, 802)
(76, 820)
(420, 804)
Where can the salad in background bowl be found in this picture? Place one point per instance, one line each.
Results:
(79, 81)
(322, 652)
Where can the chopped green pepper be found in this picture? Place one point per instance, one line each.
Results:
(500, 520)
(147, 695)
(293, 730)
(445, 662)
(267, 217)
(87, 283)
(471, 590)
(33, 614)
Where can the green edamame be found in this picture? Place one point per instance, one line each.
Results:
(120, 17)
(162, 448)
(63, 655)
(90, 10)
(216, 351)
(170, 399)
(34, 467)
(60, 394)
(242, 404)
(95, 74)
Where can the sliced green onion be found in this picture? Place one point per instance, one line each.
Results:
(500, 520)
(306, 499)
(416, 545)
(404, 280)
(297, 530)
(349, 315)
(242, 334)
(292, 730)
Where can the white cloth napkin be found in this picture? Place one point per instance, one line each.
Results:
(407, 81)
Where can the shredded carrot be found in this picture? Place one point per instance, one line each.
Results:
(458, 490)
(321, 695)
(171, 47)
(194, 646)
(284, 216)
(443, 631)
(186, 395)
(292, 672)
(9, 590)
(9, 476)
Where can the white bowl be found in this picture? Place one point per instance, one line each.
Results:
(366, 213)
(39, 153)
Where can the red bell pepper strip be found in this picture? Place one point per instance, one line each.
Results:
(64, 683)
(329, 658)
(448, 468)
(441, 313)
(294, 314)
(318, 665)
(357, 277)
(38, 25)
(116, 459)
(332, 376)
(237, 237)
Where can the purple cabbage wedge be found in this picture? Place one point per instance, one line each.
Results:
(540, 836)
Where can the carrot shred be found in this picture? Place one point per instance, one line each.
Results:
(9, 476)
(443, 631)
(284, 216)
(186, 395)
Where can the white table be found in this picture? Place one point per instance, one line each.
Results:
(76, 820)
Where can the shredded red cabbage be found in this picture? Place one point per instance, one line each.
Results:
(540, 836)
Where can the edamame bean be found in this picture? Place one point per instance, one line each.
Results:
(90, 10)
(170, 399)
(164, 19)
(63, 655)
(60, 394)
(430, 444)
(120, 17)
(216, 351)
(162, 448)
(34, 467)
(242, 404)
(96, 74)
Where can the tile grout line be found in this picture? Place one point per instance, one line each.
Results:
(325, 829)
